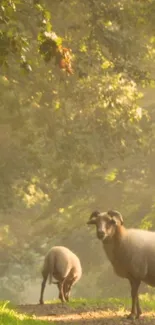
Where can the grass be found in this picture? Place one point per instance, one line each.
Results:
(147, 303)
(8, 315)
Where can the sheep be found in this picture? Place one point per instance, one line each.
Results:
(62, 264)
(130, 251)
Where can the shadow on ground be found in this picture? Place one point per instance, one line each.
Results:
(66, 314)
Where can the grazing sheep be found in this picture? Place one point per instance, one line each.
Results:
(65, 267)
(130, 251)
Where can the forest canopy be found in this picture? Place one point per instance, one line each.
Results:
(77, 127)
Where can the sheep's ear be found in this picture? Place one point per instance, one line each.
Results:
(113, 221)
(91, 222)
(93, 216)
(116, 215)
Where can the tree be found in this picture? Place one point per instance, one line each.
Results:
(70, 144)
(15, 38)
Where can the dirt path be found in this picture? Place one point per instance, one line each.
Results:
(65, 314)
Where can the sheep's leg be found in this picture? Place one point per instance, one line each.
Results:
(61, 291)
(43, 288)
(139, 311)
(59, 288)
(58, 285)
(70, 285)
(66, 289)
(67, 292)
(135, 309)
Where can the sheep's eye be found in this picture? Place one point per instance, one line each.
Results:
(112, 222)
(108, 225)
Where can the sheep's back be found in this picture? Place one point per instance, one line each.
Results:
(139, 241)
(76, 266)
(63, 260)
(137, 247)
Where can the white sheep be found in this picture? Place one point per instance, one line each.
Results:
(62, 264)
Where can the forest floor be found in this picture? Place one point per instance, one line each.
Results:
(109, 312)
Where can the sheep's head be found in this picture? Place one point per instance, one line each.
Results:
(106, 223)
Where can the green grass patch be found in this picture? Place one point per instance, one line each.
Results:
(111, 303)
(147, 302)
(8, 316)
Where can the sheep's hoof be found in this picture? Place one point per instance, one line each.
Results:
(138, 315)
(41, 302)
(131, 316)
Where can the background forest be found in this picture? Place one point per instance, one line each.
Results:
(73, 142)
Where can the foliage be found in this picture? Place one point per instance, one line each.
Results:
(72, 143)
(15, 38)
